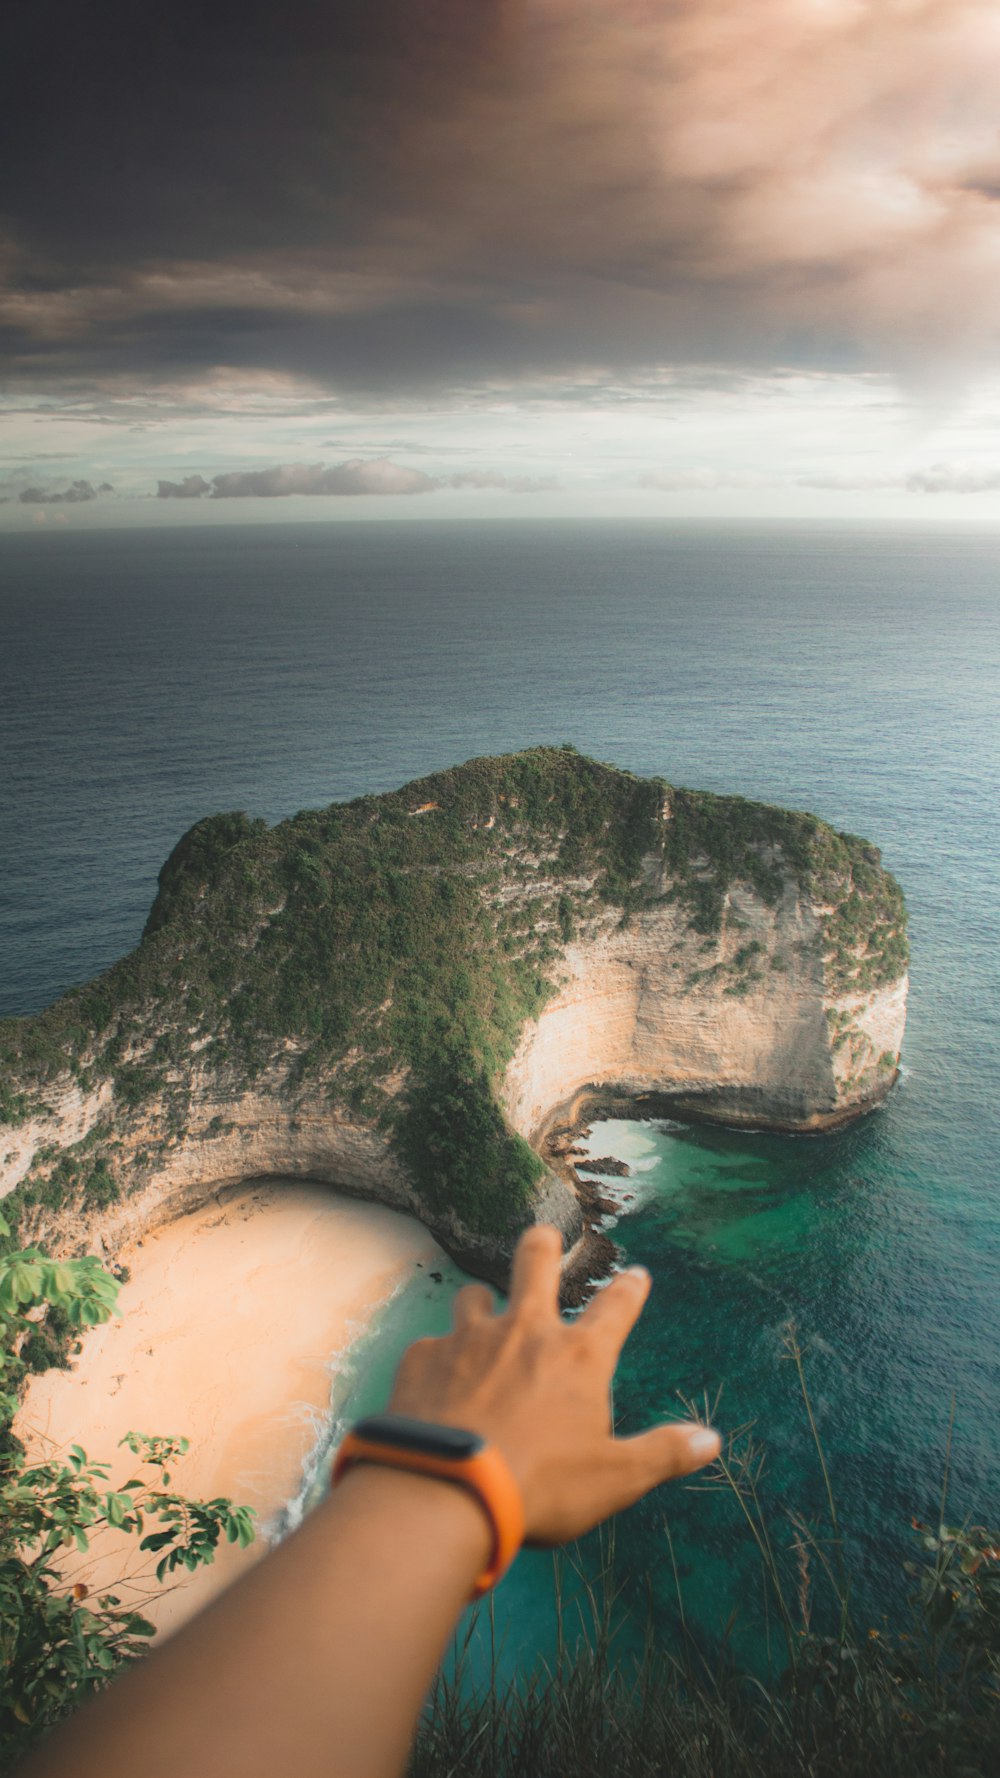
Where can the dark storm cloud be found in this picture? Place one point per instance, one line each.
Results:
(405, 194)
(194, 130)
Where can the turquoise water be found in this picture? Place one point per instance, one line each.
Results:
(148, 679)
(747, 1236)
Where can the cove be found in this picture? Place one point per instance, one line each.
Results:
(745, 1234)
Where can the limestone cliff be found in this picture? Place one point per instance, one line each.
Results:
(399, 995)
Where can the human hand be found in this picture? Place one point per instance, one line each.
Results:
(538, 1388)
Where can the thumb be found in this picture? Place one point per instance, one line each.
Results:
(664, 1452)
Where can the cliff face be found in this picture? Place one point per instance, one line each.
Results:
(400, 995)
(654, 1014)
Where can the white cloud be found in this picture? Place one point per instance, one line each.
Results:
(953, 478)
(358, 475)
(379, 475)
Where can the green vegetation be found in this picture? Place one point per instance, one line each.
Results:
(390, 950)
(840, 1699)
(195, 860)
(463, 1154)
(866, 936)
(375, 940)
(70, 1177)
(16, 1108)
(57, 1643)
(716, 841)
(100, 1187)
(713, 842)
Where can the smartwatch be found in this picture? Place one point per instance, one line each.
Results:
(454, 1455)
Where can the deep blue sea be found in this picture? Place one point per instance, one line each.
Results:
(149, 678)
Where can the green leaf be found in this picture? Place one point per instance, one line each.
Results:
(158, 1540)
(21, 1282)
(53, 1648)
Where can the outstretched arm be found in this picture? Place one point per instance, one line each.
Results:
(317, 1662)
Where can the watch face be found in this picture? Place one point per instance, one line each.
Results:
(450, 1442)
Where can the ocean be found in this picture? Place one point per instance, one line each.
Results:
(148, 678)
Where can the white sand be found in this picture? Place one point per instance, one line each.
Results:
(230, 1328)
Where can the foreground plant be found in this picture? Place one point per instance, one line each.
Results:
(58, 1642)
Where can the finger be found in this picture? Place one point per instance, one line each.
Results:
(473, 1303)
(614, 1311)
(666, 1452)
(534, 1274)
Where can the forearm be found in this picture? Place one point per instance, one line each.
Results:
(317, 1662)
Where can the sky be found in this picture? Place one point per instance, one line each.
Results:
(474, 258)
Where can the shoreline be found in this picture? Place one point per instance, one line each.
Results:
(592, 1103)
(231, 1330)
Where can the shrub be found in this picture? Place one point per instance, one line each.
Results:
(57, 1644)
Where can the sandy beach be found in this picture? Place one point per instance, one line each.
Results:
(231, 1328)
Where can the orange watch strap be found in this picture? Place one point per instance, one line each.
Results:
(485, 1474)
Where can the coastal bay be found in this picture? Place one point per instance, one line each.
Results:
(852, 673)
(399, 994)
(234, 1330)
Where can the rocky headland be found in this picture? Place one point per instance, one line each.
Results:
(410, 996)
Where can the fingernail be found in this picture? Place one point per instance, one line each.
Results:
(703, 1443)
(642, 1272)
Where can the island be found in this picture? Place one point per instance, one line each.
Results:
(417, 997)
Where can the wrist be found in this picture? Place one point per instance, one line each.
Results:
(463, 1460)
(419, 1511)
